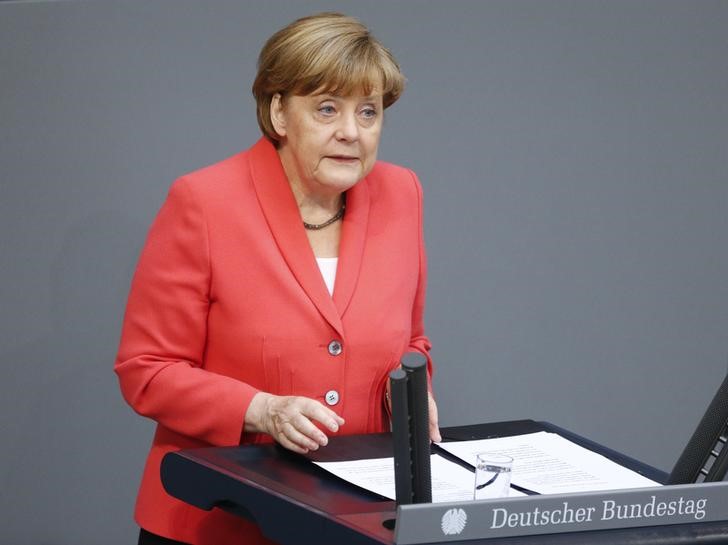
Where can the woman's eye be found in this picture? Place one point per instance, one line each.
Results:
(327, 110)
(369, 113)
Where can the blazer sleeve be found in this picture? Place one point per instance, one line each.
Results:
(160, 363)
(418, 340)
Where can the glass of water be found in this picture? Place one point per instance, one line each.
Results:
(492, 475)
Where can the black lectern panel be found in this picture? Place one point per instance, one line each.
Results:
(292, 500)
(297, 503)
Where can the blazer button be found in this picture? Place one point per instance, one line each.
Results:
(335, 348)
(332, 397)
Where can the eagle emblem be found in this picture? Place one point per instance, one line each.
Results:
(453, 521)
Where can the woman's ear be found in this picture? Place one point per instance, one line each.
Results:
(278, 115)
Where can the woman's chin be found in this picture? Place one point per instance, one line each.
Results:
(341, 181)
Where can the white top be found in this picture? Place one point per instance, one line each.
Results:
(327, 266)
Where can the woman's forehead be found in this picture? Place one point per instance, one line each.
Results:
(360, 93)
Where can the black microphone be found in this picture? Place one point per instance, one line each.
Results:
(705, 458)
(401, 438)
(411, 430)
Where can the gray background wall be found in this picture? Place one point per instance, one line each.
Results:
(574, 159)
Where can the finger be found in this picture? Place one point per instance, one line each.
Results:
(316, 411)
(434, 426)
(285, 422)
(435, 436)
(298, 437)
(307, 428)
(290, 445)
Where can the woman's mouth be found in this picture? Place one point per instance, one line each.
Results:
(343, 158)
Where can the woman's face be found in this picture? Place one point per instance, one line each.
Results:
(328, 143)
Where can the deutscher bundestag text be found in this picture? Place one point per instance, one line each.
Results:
(605, 511)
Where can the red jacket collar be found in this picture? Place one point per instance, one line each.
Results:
(283, 217)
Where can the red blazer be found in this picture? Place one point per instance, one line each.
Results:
(227, 300)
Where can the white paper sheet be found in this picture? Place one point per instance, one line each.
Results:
(549, 464)
(450, 482)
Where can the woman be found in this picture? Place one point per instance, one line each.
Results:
(279, 287)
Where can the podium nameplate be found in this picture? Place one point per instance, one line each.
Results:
(550, 514)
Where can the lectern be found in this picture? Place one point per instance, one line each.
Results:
(296, 503)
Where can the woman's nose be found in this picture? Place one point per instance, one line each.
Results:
(348, 128)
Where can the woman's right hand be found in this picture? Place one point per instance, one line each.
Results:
(290, 420)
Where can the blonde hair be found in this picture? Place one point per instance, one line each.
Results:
(326, 53)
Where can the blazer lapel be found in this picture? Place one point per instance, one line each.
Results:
(281, 212)
(351, 246)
